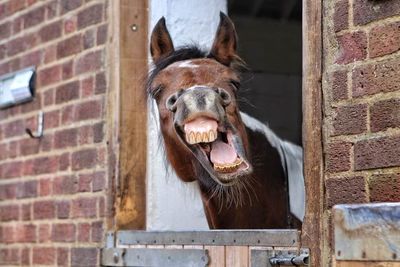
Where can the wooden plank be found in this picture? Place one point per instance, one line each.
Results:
(366, 264)
(131, 196)
(237, 256)
(312, 129)
(217, 256)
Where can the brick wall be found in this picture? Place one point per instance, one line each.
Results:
(53, 190)
(361, 88)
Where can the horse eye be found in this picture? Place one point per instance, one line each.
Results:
(235, 84)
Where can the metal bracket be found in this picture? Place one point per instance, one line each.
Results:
(39, 132)
(154, 257)
(261, 257)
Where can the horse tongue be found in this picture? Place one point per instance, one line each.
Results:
(222, 153)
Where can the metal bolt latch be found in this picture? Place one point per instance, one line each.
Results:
(301, 260)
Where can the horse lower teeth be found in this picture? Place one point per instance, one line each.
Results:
(228, 167)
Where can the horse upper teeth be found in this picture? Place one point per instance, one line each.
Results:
(201, 137)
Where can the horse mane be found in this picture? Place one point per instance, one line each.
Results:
(185, 53)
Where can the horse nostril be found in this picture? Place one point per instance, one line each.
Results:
(171, 102)
(225, 96)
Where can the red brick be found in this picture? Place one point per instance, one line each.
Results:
(97, 231)
(377, 153)
(9, 256)
(47, 142)
(350, 119)
(63, 257)
(5, 30)
(101, 83)
(85, 181)
(8, 234)
(9, 213)
(384, 39)
(52, 119)
(65, 185)
(352, 47)
(63, 209)
(18, 24)
(64, 232)
(44, 209)
(89, 62)
(14, 128)
(84, 207)
(385, 114)
(29, 146)
(70, 25)
(67, 114)
(102, 34)
(84, 232)
(50, 53)
(51, 9)
(44, 233)
(69, 5)
(65, 161)
(385, 187)
(67, 92)
(45, 187)
(70, 46)
(32, 59)
(49, 97)
(32, 105)
(50, 31)
(347, 190)
(10, 169)
(45, 165)
(27, 189)
(87, 87)
(84, 257)
(89, 39)
(44, 255)
(14, 6)
(88, 110)
(90, 15)
(26, 257)
(98, 133)
(26, 233)
(99, 181)
(103, 210)
(49, 75)
(84, 159)
(66, 138)
(339, 86)
(85, 135)
(8, 191)
(67, 70)
(34, 17)
(365, 11)
(341, 15)
(26, 214)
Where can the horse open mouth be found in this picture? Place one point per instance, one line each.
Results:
(219, 149)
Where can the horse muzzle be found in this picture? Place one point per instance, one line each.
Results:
(201, 123)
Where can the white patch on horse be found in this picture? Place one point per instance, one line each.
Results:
(186, 64)
(292, 162)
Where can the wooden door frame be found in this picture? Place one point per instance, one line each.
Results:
(312, 232)
(130, 31)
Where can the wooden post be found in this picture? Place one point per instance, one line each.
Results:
(312, 128)
(131, 188)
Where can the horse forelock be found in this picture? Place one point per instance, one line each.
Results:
(183, 54)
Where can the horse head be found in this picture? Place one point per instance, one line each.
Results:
(196, 95)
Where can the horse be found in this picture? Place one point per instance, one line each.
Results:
(248, 177)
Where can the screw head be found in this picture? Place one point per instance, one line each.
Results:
(134, 27)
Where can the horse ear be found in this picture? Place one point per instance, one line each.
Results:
(225, 42)
(160, 41)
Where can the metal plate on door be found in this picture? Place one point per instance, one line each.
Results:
(154, 257)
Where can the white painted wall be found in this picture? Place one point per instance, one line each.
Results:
(172, 204)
